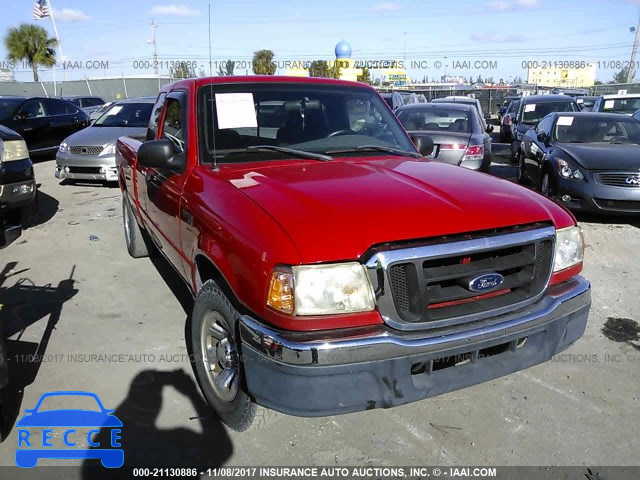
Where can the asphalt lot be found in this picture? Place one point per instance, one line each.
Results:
(70, 290)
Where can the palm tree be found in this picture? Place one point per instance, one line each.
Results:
(33, 44)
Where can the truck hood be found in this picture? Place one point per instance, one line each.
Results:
(604, 156)
(337, 210)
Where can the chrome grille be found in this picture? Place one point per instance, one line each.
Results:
(428, 285)
(626, 180)
(86, 150)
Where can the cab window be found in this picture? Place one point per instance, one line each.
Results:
(155, 114)
(173, 127)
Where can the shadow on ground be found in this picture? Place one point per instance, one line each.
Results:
(22, 305)
(207, 444)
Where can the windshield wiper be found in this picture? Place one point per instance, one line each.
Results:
(292, 151)
(379, 148)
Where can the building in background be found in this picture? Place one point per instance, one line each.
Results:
(563, 77)
(351, 69)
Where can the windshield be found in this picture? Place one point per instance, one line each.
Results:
(313, 118)
(8, 106)
(597, 130)
(532, 113)
(126, 115)
(621, 105)
(447, 120)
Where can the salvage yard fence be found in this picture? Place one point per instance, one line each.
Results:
(128, 87)
(107, 88)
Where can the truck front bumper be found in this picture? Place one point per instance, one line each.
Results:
(318, 373)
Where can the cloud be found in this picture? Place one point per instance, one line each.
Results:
(386, 7)
(181, 10)
(70, 15)
(489, 37)
(506, 5)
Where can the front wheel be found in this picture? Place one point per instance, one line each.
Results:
(217, 360)
(545, 185)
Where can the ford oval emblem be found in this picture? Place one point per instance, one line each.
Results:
(486, 282)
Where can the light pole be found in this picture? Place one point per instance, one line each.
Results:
(405, 50)
(634, 50)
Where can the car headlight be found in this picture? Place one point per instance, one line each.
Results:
(567, 171)
(110, 150)
(63, 148)
(569, 248)
(321, 289)
(12, 150)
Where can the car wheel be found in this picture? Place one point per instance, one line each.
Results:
(520, 168)
(29, 213)
(217, 361)
(545, 185)
(515, 154)
(136, 245)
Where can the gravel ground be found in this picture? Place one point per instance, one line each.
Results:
(70, 290)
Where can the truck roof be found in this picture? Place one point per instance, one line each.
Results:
(198, 82)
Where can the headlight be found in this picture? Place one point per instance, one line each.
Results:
(13, 150)
(63, 148)
(567, 171)
(569, 248)
(321, 289)
(110, 150)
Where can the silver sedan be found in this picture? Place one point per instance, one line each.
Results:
(89, 154)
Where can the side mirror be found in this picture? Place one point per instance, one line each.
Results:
(21, 116)
(423, 143)
(489, 128)
(543, 137)
(161, 154)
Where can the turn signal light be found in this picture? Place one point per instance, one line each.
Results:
(280, 296)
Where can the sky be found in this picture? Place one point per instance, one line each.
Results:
(490, 38)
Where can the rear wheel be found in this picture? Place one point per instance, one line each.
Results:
(217, 361)
(136, 245)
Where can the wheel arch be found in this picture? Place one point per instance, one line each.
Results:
(206, 269)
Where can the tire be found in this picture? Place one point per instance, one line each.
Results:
(29, 214)
(520, 167)
(133, 236)
(545, 184)
(217, 361)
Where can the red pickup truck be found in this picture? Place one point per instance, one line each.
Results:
(335, 268)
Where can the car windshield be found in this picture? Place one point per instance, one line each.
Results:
(311, 118)
(8, 106)
(126, 115)
(532, 113)
(432, 119)
(579, 129)
(621, 105)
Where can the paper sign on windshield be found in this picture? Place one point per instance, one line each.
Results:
(565, 121)
(235, 110)
(531, 107)
(608, 104)
(114, 110)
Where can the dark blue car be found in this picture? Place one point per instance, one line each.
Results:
(28, 455)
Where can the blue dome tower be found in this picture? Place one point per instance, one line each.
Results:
(343, 49)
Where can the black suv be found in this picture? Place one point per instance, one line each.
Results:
(531, 110)
(43, 122)
(17, 185)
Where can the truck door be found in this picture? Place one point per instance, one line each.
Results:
(159, 189)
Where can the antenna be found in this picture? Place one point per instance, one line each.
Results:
(210, 63)
(153, 42)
